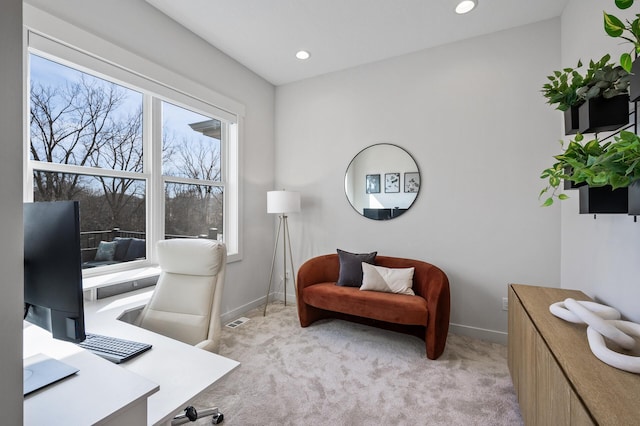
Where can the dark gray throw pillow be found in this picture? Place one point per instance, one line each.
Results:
(351, 267)
(121, 248)
(136, 249)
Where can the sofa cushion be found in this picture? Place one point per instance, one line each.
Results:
(106, 250)
(121, 248)
(395, 308)
(351, 267)
(387, 280)
(136, 250)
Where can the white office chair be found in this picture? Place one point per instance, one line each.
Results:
(185, 304)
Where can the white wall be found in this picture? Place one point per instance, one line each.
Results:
(141, 29)
(472, 116)
(11, 295)
(600, 257)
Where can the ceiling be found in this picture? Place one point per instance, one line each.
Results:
(264, 35)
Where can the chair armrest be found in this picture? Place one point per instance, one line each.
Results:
(208, 345)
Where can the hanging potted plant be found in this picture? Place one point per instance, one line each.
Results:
(571, 166)
(562, 92)
(630, 32)
(605, 98)
(605, 168)
(619, 167)
(602, 90)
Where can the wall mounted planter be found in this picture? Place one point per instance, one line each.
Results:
(602, 115)
(634, 198)
(634, 83)
(603, 200)
(571, 118)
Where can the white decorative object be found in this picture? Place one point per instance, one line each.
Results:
(602, 322)
(603, 327)
(603, 311)
(606, 355)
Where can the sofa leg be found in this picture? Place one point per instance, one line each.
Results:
(308, 315)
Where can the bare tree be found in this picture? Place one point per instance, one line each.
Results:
(192, 209)
(82, 123)
(89, 123)
(122, 151)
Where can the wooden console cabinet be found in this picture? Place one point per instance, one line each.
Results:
(557, 378)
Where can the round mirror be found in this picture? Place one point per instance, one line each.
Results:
(382, 181)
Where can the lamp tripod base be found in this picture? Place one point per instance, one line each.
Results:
(283, 225)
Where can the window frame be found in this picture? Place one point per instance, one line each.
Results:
(178, 91)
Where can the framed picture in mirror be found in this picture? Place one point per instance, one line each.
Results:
(373, 184)
(392, 182)
(411, 182)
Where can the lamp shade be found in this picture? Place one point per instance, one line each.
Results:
(283, 202)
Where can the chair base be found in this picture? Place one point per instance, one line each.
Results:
(191, 415)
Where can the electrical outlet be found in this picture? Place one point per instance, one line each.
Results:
(505, 303)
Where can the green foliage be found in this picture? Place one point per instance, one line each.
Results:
(628, 31)
(569, 88)
(614, 163)
(607, 81)
(562, 87)
(597, 164)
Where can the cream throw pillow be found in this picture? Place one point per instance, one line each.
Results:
(388, 280)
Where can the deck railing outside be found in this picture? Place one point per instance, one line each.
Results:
(89, 240)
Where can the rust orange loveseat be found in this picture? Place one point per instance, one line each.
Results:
(425, 315)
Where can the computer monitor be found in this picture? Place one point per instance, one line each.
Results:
(53, 268)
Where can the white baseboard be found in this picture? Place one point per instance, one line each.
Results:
(479, 333)
(241, 310)
(462, 330)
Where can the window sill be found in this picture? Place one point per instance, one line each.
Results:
(93, 281)
(90, 285)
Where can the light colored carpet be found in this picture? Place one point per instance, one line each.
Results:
(340, 373)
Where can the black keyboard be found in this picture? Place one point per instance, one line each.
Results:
(113, 349)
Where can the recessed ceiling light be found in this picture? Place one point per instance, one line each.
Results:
(303, 54)
(466, 6)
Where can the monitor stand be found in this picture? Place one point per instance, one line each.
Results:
(40, 371)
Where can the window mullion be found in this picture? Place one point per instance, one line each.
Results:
(231, 144)
(154, 163)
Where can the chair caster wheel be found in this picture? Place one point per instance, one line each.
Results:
(217, 418)
(191, 413)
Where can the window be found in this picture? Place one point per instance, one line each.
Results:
(145, 161)
(191, 170)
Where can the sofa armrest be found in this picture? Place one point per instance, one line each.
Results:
(432, 284)
(321, 269)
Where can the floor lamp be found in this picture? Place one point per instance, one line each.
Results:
(282, 202)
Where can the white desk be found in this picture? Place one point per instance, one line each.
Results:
(171, 374)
